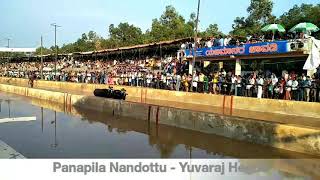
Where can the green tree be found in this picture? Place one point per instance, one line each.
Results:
(303, 13)
(192, 21)
(125, 34)
(108, 44)
(87, 42)
(260, 11)
(68, 48)
(260, 14)
(212, 30)
(92, 36)
(44, 51)
(171, 25)
(240, 27)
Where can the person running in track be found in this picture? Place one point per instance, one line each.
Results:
(32, 77)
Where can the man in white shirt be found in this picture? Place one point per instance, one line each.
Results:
(195, 82)
(260, 82)
(288, 89)
(163, 81)
(295, 93)
(274, 79)
(249, 86)
(227, 41)
(178, 82)
(129, 79)
(239, 86)
(233, 84)
(183, 46)
(134, 80)
(149, 79)
(224, 73)
(209, 44)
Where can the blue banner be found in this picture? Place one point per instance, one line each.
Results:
(247, 49)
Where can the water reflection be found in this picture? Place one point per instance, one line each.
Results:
(42, 122)
(312, 121)
(55, 144)
(168, 141)
(167, 138)
(8, 102)
(288, 167)
(9, 107)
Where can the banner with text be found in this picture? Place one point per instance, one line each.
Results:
(276, 47)
(159, 169)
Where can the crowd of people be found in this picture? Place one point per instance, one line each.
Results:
(226, 41)
(172, 74)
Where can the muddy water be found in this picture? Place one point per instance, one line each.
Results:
(79, 133)
(57, 134)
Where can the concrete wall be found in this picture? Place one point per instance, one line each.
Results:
(288, 137)
(191, 101)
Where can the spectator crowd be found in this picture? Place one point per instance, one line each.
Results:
(226, 41)
(172, 74)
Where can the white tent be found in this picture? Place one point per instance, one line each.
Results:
(18, 50)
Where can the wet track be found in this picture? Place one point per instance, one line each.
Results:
(81, 133)
(88, 134)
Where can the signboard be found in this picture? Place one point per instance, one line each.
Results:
(247, 49)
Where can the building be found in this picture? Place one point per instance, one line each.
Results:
(290, 55)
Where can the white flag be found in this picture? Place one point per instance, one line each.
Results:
(313, 60)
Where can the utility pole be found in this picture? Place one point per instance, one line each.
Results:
(41, 49)
(55, 44)
(195, 43)
(8, 40)
(160, 48)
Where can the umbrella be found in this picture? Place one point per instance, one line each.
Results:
(305, 27)
(273, 28)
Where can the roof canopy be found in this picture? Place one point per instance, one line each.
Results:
(135, 47)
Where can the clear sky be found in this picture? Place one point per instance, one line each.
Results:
(24, 21)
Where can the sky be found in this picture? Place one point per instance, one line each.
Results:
(24, 21)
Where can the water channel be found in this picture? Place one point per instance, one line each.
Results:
(42, 129)
(80, 133)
